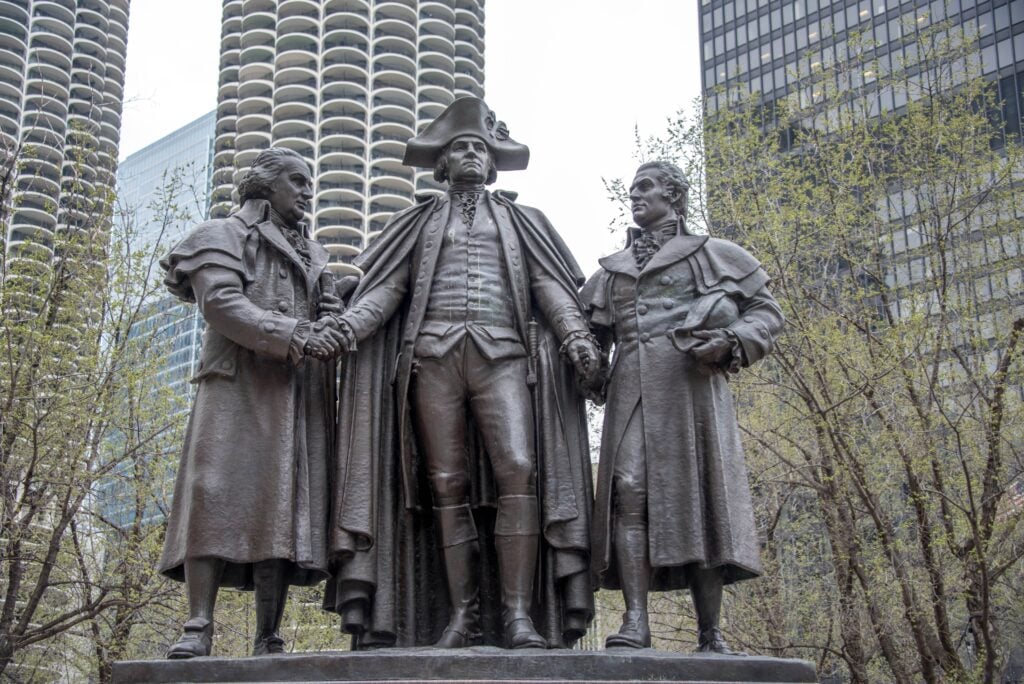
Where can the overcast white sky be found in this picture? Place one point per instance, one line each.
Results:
(570, 78)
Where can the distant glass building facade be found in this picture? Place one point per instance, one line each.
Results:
(164, 191)
(776, 49)
(181, 161)
(761, 46)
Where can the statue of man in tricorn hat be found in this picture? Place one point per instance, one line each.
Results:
(458, 395)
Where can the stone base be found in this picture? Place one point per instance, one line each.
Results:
(478, 664)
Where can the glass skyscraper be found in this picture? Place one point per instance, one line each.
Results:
(761, 46)
(163, 192)
(777, 49)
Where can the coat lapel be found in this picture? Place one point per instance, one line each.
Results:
(424, 261)
(256, 213)
(318, 258)
(272, 234)
(512, 253)
(621, 262)
(676, 249)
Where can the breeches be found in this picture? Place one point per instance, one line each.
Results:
(629, 476)
(496, 394)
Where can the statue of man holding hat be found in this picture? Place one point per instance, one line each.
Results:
(673, 507)
(463, 467)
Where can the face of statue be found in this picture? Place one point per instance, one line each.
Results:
(291, 192)
(469, 160)
(647, 199)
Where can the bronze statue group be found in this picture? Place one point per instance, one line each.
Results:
(424, 425)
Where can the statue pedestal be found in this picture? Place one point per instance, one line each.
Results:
(478, 664)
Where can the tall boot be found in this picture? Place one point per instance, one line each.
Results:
(202, 580)
(516, 535)
(461, 551)
(631, 560)
(706, 588)
(271, 589)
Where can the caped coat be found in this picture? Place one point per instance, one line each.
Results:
(698, 499)
(253, 479)
(382, 540)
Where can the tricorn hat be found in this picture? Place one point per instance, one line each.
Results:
(467, 116)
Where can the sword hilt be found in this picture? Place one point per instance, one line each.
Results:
(532, 351)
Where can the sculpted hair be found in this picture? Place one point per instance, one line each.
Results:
(441, 167)
(265, 169)
(671, 176)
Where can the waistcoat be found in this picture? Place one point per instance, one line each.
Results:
(470, 283)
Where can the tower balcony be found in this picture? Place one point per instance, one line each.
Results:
(437, 28)
(395, 9)
(304, 37)
(253, 71)
(45, 55)
(250, 123)
(294, 128)
(430, 9)
(301, 8)
(257, 37)
(432, 59)
(360, 7)
(352, 124)
(248, 141)
(250, 6)
(256, 88)
(349, 55)
(255, 104)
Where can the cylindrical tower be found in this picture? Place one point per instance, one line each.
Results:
(61, 90)
(345, 83)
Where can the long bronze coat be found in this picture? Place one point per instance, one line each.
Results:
(253, 479)
(698, 499)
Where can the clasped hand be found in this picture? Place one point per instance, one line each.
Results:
(585, 358)
(325, 340)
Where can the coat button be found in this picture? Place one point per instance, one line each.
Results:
(268, 326)
(764, 333)
(641, 309)
(668, 303)
(429, 244)
(666, 280)
(225, 365)
(283, 272)
(645, 337)
(282, 306)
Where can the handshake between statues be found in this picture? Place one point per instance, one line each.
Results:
(331, 337)
(443, 489)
